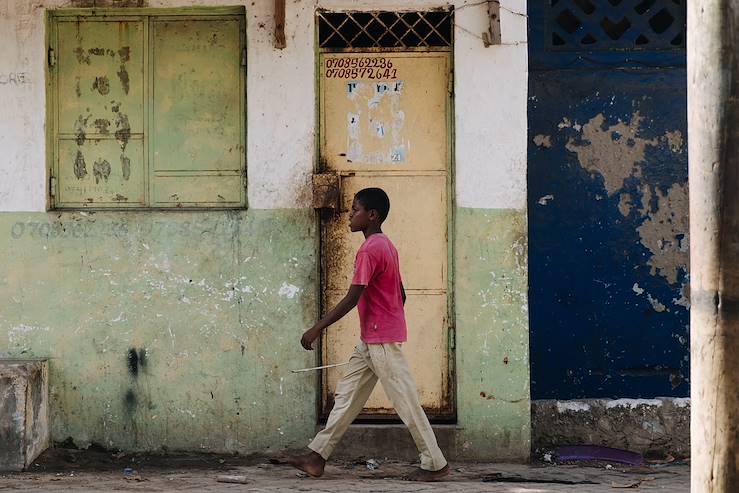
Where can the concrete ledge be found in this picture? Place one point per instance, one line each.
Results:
(24, 412)
(390, 440)
(657, 426)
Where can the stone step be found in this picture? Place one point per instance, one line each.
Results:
(24, 411)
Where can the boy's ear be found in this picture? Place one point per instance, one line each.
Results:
(373, 215)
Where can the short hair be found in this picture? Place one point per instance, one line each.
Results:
(374, 198)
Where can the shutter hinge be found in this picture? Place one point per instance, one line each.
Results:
(52, 186)
(52, 57)
(450, 84)
(243, 57)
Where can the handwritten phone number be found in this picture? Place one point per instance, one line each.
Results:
(360, 68)
(89, 229)
(359, 62)
(36, 229)
(361, 73)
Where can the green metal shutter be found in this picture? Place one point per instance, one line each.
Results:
(197, 120)
(100, 97)
(148, 110)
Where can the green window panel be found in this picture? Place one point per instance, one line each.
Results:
(147, 108)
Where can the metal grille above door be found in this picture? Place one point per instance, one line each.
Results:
(350, 30)
(602, 25)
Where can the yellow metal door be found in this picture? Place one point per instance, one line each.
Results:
(384, 123)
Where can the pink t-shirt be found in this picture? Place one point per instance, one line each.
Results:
(381, 314)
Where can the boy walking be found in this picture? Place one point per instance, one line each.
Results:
(378, 291)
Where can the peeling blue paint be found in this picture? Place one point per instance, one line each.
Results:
(608, 241)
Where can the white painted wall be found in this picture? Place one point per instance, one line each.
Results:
(491, 88)
(490, 102)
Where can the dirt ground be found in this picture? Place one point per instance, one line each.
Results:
(96, 470)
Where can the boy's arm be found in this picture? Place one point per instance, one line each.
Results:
(342, 308)
(402, 292)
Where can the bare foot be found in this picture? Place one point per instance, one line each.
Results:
(312, 464)
(428, 476)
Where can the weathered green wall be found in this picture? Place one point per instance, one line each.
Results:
(211, 303)
(492, 338)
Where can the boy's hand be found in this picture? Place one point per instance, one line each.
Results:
(309, 336)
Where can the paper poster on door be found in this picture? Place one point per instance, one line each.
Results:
(375, 122)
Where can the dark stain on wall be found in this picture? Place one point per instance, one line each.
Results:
(101, 170)
(137, 361)
(123, 76)
(130, 401)
(101, 85)
(125, 53)
(102, 125)
(79, 129)
(142, 359)
(133, 362)
(82, 56)
(123, 132)
(80, 169)
(126, 167)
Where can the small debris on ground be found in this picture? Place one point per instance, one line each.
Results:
(633, 484)
(130, 474)
(227, 478)
(498, 477)
(574, 453)
(372, 464)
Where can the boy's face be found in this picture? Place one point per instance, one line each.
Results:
(359, 217)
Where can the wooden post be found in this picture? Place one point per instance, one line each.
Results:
(493, 34)
(713, 139)
(280, 41)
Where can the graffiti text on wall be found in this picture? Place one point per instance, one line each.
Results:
(13, 78)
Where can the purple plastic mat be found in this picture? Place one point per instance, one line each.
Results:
(596, 452)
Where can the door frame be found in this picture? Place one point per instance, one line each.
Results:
(448, 415)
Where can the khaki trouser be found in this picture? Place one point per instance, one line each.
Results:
(385, 362)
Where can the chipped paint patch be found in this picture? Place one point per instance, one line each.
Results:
(572, 406)
(625, 204)
(543, 141)
(658, 307)
(22, 330)
(546, 199)
(681, 402)
(675, 140)
(613, 151)
(684, 299)
(665, 233)
(288, 291)
(633, 403)
(616, 153)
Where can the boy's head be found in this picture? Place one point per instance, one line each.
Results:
(370, 206)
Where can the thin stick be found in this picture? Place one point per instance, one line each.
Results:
(319, 367)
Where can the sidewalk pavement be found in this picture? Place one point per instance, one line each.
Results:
(75, 470)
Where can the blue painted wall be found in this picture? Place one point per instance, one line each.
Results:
(608, 230)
